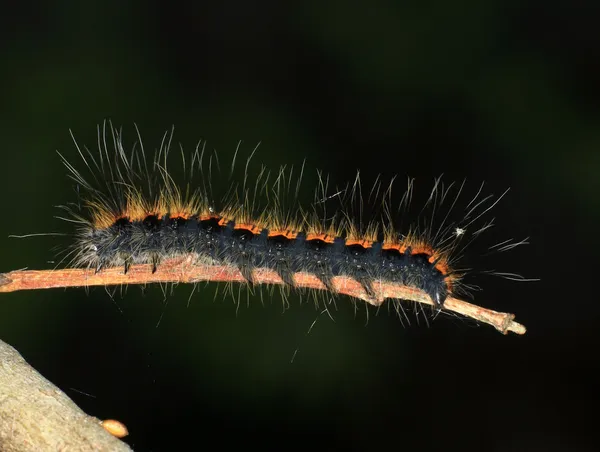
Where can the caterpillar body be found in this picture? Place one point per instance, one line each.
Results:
(131, 211)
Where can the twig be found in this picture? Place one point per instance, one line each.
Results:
(35, 415)
(186, 271)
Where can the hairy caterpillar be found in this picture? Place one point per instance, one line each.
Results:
(134, 218)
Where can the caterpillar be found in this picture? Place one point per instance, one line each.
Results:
(131, 213)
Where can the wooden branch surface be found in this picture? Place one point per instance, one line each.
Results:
(186, 271)
(37, 416)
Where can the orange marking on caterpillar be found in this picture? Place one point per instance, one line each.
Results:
(322, 236)
(364, 243)
(180, 215)
(207, 217)
(400, 247)
(290, 235)
(248, 227)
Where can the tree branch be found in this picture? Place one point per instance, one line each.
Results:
(187, 271)
(35, 415)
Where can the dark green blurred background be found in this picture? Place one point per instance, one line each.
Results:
(502, 91)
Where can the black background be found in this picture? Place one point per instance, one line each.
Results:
(497, 91)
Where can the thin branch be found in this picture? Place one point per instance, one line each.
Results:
(186, 271)
(35, 415)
